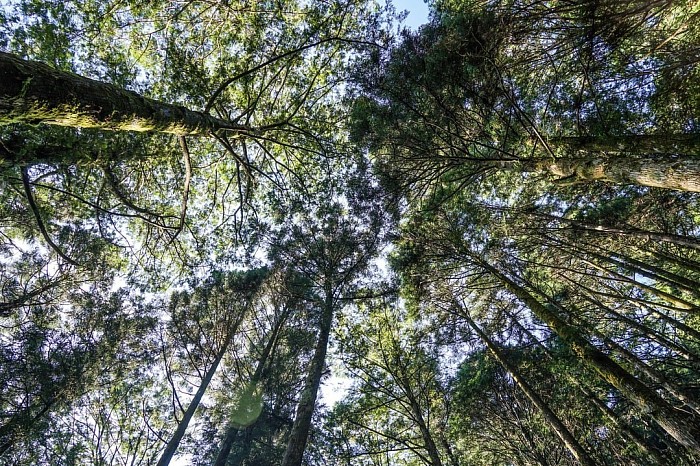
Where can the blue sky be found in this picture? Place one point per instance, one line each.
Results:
(418, 11)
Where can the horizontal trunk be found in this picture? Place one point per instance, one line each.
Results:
(679, 173)
(33, 93)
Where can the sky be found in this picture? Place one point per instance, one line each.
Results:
(418, 12)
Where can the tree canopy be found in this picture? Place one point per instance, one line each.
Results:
(484, 233)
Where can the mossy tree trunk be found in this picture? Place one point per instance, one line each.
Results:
(32, 92)
(668, 172)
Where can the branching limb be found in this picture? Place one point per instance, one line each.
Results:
(222, 87)
(124, 200)
(37, 216)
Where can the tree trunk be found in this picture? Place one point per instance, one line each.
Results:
(430, 445)
(550, 417)
(649, 371)
(232, 432)
(174, 442)
(626, 430)
(307, 399)
(33, 93)
(627, 231)
(677, 424)
(679, 173)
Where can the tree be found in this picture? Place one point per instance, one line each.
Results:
(36, 93)
(491, 221)
(225, 300)
(49, 364)
(330, 250)
(554, 422)
(243, 416)
(455, 102)
(398, 405)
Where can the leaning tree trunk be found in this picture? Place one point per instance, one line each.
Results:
(32, 92)
(174, 442)
(677, 424)
(232, 432)
(669, 172)
(552, 419)
(307, 400)
(626, 430)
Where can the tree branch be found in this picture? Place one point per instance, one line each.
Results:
(40, 223)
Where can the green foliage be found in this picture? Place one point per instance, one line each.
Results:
(397, 187)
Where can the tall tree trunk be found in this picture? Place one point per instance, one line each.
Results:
(550, 417)
(667, 172)
(307, 399)
(174, 442)
(627, 231)
(33, 93)
(233, 430)
(677, 424)
(430, 445)
(626, 430)
(650, 372)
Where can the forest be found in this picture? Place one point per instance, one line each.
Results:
(296, 232)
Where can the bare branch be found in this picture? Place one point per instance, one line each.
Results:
(40, 223)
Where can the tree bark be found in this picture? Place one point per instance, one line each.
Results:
(307, 400)
(677, 424)
(552, 419)
(33, 93)
(679, 173)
